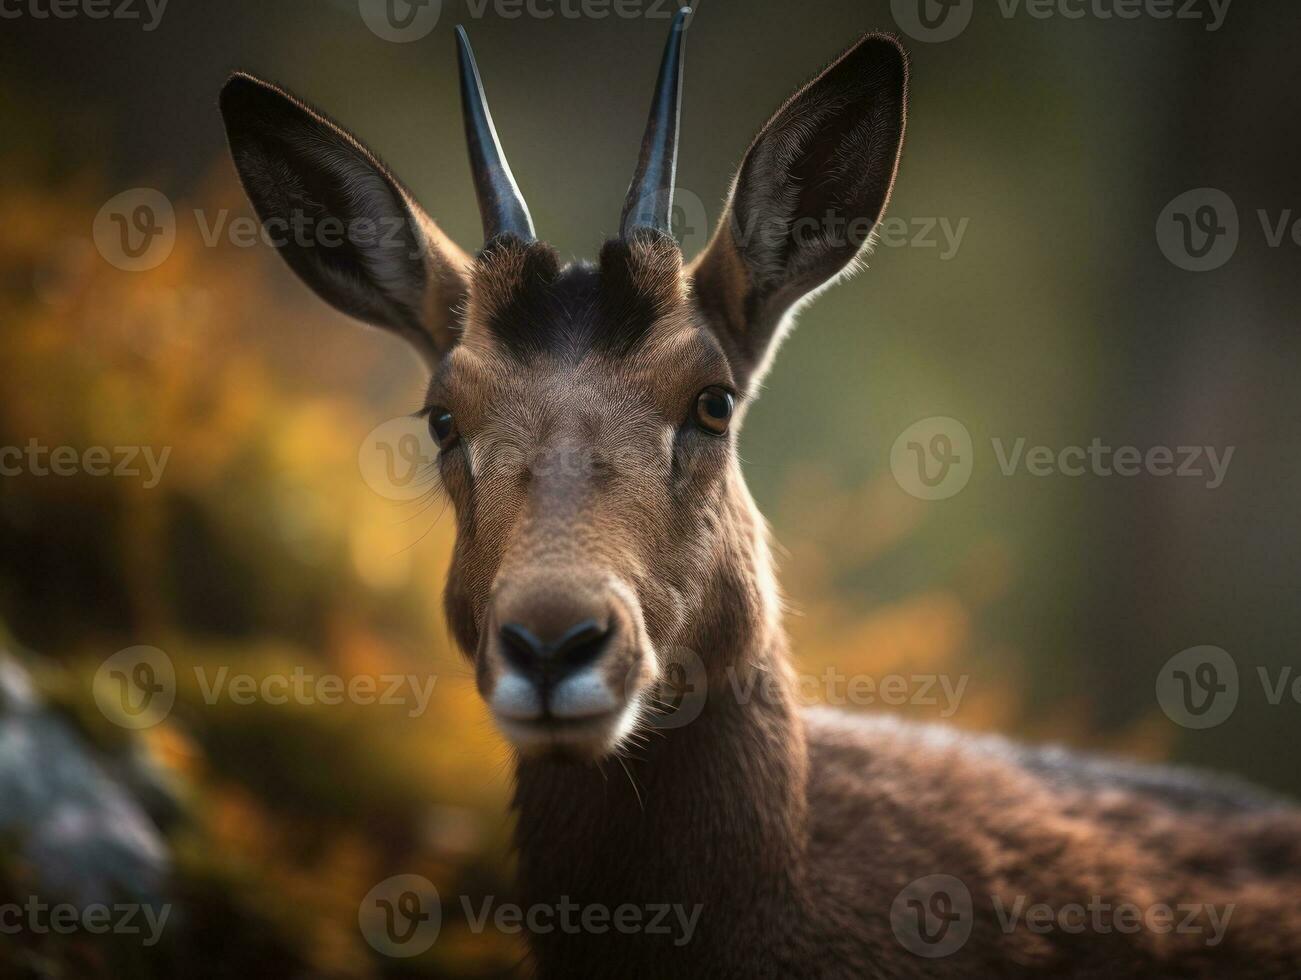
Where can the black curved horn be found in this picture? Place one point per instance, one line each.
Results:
(649, 203)
(501, 205)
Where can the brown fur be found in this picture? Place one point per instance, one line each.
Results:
(583, 487)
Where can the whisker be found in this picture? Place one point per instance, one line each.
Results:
(632, 782)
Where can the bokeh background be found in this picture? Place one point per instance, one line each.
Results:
(1053, 145)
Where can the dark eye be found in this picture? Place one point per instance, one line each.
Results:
(714, 409)
(443, 427)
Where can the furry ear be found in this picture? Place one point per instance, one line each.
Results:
(338, 217)
(810, 189)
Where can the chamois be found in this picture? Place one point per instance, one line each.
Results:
(586, 418)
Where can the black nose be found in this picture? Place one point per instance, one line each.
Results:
(551, 660)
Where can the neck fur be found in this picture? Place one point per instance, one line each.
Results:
(712, 813)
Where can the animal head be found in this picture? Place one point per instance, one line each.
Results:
(587, 414)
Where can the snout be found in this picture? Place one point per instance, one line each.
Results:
(563, 663)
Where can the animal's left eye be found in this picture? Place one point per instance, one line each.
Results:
(714, 409)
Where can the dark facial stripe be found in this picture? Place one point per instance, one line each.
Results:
(515, 285)
(632, 294)
(532, 307)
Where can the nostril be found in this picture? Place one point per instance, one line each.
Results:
(580, 644)
(576, 647)
(521, 648)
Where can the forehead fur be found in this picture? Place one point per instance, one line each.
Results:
(523, 302)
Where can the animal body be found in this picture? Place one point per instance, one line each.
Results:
(586, 418)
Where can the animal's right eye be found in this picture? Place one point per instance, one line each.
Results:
(442, 425)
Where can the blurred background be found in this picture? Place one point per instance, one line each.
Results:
(1026, 289)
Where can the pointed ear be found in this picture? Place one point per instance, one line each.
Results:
(338, 217)
(810, 190)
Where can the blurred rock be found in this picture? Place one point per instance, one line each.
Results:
(71, 830)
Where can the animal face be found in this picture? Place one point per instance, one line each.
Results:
(586, 416)
(585, 423)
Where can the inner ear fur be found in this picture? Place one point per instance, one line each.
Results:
(340, 219)
(808, 194)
